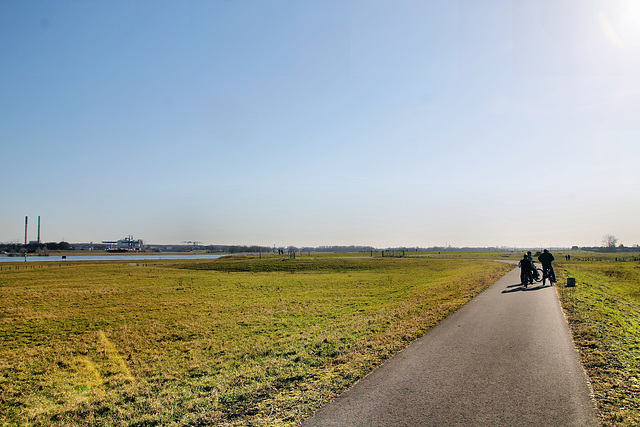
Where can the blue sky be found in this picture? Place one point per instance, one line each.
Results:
(383, 123)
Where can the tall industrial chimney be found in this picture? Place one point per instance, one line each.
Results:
(26, 225)
(38, 229)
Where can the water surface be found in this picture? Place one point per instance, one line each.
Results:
(119, 257)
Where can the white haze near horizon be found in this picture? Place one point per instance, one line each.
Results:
(382, 123)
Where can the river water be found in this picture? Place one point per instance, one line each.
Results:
(122, 257)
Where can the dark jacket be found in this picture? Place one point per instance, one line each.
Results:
(545, 259)
(525, 265)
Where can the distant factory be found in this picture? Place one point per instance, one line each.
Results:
(128, 244)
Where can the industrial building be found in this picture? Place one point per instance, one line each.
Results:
(128, 244)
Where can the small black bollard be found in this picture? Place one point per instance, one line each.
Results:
(571, 282)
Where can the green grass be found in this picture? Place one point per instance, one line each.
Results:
(227, 342)
(604, 314)
(498, 255)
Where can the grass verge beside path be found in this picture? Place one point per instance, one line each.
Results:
(604, 314)
(227, 342)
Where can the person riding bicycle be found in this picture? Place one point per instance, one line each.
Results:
(545, 259)
(525, 270)
(534, 271)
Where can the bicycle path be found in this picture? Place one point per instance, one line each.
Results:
(504, 359)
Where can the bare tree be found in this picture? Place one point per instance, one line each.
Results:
(610, 241)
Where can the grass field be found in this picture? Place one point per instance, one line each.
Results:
(604, 313)
(226, 342)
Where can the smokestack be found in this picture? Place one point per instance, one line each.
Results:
(26, 225)
(38, 229)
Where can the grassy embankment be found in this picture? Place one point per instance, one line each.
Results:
(604, 314)
(226, 342)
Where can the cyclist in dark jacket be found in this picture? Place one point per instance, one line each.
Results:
(534, 271)
(526, 266)
(545, 259)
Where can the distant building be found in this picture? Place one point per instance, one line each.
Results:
(127, 244)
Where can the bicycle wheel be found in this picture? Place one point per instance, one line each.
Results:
(537, 276)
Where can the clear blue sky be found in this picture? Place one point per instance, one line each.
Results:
(383, 123)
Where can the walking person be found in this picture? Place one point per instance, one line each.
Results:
(545, 259)
(526, 266)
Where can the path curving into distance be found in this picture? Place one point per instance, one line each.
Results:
(504, 359)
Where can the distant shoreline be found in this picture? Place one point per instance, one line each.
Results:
(100, 253)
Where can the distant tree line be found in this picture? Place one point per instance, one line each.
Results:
(325, 249)
(234, 249)
(34, 247)
(611, 243)
(60, 246)
(337, 249)
(619, 248)
(284, 249)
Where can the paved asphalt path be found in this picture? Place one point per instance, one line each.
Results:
(505, 359)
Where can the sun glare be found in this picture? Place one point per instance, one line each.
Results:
(625, 31)
(633, 11)
(608, 30)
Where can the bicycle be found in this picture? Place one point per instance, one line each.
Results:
(547, 273)
(528, 278)
(536, 275)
